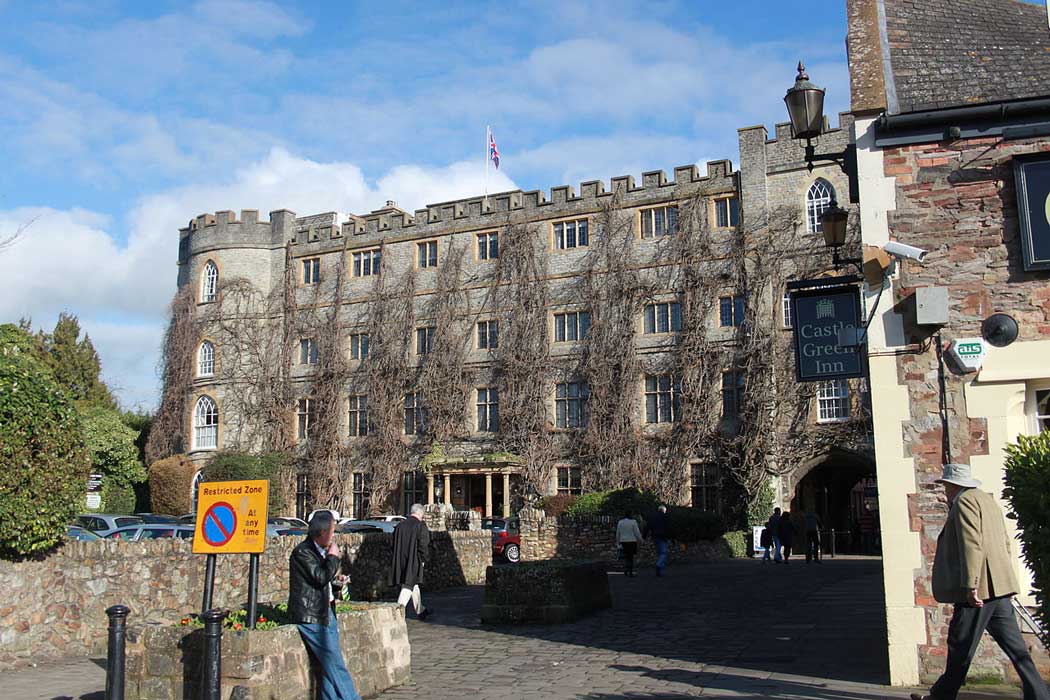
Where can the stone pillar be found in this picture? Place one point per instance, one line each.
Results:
(430, 489)
(448, 489)
(488, 495)
(506, 495)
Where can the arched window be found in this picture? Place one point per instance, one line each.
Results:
(206, 360)
(205, 424)
(817, 200)
(198, 478)
(209, 282)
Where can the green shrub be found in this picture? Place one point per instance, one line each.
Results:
(114, 455)
(759, 510)
(45, 462)
(117, 498)
(1028, 491)
(738, 541)
(614, 503)
(170, 480)
(692, 525)
(556, 505)
(237, 466)
(589, 504)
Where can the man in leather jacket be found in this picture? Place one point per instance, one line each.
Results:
(313, 568)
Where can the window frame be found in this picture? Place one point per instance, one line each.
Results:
(374, 260)
(209, 283)
(210, 346)
(661, 397)
(668, 222)
(427, 254)
(786, 321)
(486, 250)
(833, 401)
(487, 405)
(210, 426)
(564, 418)
(737, 306)
(579, 329)
(305, 414)
(817, 205)
(361, 492)
(667, 312)
(705, 485)
(733, 394)
(573, 481)
(732, 211)
(360, 340)
(576, 236)
(1036, 391)
(425, 340)
(311, 271)
(358, 424)
(308, 352)
(417, 419)
(490, 334)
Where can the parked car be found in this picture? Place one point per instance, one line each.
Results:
(151, 532)
(335, 515)
(156, 518)
(289, 521)
(187, 518)
(75, 532)
(276, 527)
(103, 523)
(506, 537)
(388, 518)
(380, 525)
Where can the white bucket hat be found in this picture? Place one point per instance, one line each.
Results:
(960, 475)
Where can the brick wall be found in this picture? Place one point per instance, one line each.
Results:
(958, 201)
(55, 607)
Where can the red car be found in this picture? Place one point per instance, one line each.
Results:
(506, 538)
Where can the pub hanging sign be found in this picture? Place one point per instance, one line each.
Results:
(828, 333)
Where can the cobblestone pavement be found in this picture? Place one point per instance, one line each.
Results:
(738, 629)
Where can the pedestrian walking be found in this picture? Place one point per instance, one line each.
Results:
(627, 538)
(765, 541)
(773, 525)
(313, 568)
(411, 552)
(658, 527)
(812, 524)
(973, 570)
(786, 531)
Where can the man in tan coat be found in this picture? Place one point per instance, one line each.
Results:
(973, 570)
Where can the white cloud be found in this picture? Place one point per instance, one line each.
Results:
(71, 261)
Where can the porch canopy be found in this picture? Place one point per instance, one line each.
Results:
(478, 482)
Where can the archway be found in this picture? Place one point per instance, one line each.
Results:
(841, 488)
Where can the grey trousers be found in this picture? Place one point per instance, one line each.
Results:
(964, 633)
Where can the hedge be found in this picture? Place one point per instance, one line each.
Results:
(237, 466)
(45, 462)
(692, 525)
(170, 480)
(615, 503)
(738, 542)
(556, 505)
(1028, 491)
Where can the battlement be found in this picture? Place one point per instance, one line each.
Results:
(224, 227)
(783, 151)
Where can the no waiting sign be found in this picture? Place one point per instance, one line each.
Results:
(231, 517)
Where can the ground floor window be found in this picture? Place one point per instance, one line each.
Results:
(833, 401)
(570, 481)
(362, 495)
(1042, 409)
(705, 482)
(413, 490)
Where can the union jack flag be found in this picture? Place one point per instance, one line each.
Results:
(493, 151)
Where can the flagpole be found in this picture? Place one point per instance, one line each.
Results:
(488, 136)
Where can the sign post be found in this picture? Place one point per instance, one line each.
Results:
(828, 333)
(231, 519)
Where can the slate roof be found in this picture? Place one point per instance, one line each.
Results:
(950, 53)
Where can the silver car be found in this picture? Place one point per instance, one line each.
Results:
(151, 532)
(103, 523)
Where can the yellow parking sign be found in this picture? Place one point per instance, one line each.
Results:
(231, 517)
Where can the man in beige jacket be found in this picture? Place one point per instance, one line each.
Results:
(973, 570)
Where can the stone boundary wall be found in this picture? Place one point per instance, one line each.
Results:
(54, 607)
(594, 537)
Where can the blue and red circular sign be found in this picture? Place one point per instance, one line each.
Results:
(220, 522)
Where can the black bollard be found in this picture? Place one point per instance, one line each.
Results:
(253, 590)
(118, 620)
(212, 682)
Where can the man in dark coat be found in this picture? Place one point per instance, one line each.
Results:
(659, 528)
(313, 569)
(411, 551)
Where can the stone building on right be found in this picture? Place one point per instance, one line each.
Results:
(951, 101)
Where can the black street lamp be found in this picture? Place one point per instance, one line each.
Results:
(833, 221)
(805, 106)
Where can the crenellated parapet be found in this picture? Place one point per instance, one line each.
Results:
(784, 151)
(224, 229)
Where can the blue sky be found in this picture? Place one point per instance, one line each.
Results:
(124, 120)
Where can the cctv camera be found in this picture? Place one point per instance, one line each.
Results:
(900, 250)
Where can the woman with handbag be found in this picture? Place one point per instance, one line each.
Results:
(628, 535)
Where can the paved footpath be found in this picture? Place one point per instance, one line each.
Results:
(739, 629)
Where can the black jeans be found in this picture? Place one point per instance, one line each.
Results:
(629, 550)
(812, 545)
(964, 632)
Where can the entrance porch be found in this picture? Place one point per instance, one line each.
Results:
(485, 486)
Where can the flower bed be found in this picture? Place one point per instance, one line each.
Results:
(270, 662)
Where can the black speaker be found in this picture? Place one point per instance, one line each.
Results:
(999, 330)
